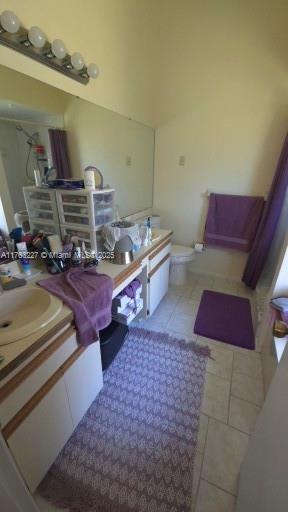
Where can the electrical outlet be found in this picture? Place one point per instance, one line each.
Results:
(182, 160)
(128, 160)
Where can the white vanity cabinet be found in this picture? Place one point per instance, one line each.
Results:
(158, 275)
(44, 402)
(37, 441)
(83, 381)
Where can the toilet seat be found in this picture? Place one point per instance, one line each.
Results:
(181, 254)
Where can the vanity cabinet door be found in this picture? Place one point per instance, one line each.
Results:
(37, 441)
(158, 283)
(83, 381)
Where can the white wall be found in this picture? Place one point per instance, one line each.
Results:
(280, 288)
(263, 476)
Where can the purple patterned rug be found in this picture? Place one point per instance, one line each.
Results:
(134, 449)
(226, 318)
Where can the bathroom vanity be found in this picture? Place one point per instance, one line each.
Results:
(48, 381)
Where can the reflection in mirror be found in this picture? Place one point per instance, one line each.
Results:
(47, 134)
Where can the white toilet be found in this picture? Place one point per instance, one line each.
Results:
(181, 256)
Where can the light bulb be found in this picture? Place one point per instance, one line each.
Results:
(10, 22)
(93, 70)
(59, 49)
(36, 37)
(77, 61)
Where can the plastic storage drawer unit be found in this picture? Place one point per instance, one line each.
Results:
(86, 208)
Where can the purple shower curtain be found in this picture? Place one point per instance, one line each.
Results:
(267, 226)
(60, 154)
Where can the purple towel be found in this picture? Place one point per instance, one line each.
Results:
(232, 221)
(88, 294)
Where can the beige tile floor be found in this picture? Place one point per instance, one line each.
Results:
(232, 398)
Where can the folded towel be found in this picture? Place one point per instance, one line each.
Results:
(88, 294)
(131, 291)
(232, 221)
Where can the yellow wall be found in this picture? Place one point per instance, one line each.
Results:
(211, 75)
(104, 139)
(222, 101)
(21, 89)
(112, 33)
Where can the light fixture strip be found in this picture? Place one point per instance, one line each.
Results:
(33, 44)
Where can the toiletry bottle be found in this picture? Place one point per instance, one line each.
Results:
(5, 275)
(89, 179)
(76, 252)
(149, 230)
(37, 178)
(22, 250)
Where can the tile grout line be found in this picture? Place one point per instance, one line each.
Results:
(248, 401)
(220, 488)
(230, 391)
(201, 466)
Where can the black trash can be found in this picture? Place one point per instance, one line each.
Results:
(111, 340)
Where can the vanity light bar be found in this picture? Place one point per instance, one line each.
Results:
(33, 43)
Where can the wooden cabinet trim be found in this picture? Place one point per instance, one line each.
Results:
(35, 346)
(126, 273)
(23, 374)
(21, 415)
(159, 265)
(159, 249)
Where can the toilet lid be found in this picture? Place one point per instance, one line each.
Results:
(181, 250)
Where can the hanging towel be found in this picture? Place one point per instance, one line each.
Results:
(88, 294)
(232, 221)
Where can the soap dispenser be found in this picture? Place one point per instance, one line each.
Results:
(149, 234)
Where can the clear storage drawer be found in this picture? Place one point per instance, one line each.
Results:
(92, 238)
(86, 208)
(42, 207)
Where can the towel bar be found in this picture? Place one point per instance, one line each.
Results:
(208, 192)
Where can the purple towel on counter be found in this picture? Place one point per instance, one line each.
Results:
(232, 221)
(88, 294)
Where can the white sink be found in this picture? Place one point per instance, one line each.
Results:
(24, 311)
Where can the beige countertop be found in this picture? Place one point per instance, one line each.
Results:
(15, 353)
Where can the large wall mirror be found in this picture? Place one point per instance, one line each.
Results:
(34, 114)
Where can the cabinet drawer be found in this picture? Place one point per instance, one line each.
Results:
(37, 441)
(25, 384)
(159, 254)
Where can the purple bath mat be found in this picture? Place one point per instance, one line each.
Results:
(134, 450)
(225, 318)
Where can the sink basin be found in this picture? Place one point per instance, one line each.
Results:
(24, 311)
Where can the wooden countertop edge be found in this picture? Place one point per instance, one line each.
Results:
(35, 346)
(129, 269)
